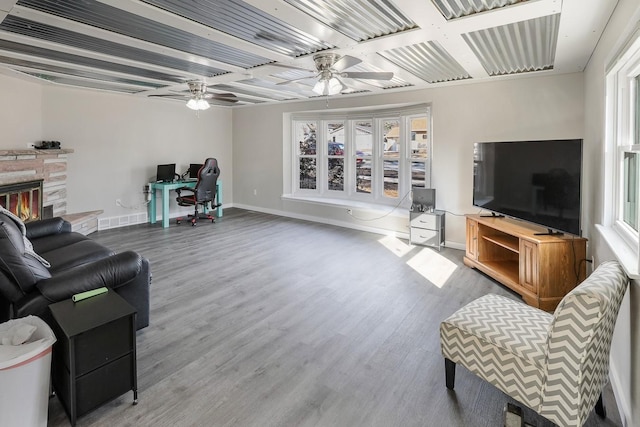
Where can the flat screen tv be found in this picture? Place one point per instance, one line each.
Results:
(535, 181)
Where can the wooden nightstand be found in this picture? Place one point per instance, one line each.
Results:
(94, 359)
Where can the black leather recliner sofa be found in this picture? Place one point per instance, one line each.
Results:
(77, 264)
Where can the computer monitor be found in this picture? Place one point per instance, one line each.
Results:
(166, 173)
(193, 169)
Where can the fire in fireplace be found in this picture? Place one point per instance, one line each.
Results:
(24, 199)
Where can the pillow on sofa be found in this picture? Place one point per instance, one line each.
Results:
(28, 247)
(25, 269)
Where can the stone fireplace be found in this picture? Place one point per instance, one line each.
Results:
(46, 167)
(24, 199)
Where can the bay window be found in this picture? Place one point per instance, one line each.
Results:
(373, 157)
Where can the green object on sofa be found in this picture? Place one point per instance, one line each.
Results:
(89, 294)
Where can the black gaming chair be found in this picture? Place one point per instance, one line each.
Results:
(203, 193)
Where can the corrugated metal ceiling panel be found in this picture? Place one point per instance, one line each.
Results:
(428, 61)
(91, 84)
(357, 19)
(246, 22)
(77, 73)
(116, 20)
(518, 47)
(55, 55)
(49, 33)
(452, 9)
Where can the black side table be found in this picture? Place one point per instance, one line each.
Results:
(94, 359)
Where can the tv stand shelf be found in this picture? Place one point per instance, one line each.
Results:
(509, 242)
(541, 268)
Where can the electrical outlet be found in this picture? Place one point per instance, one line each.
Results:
(350, 211)
(255, 192)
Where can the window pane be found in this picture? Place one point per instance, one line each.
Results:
(335, 136)
(364, 138)
(637, 107)
(419, 145)
(336, 174)
(363, 175)
(391, 138)
(306, 137)
(391, 178)
(630, 190)
(418, 174)
(308, 171)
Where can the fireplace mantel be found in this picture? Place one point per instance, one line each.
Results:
(34, 151)
(31, 164)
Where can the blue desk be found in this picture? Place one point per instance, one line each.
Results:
(165, 187)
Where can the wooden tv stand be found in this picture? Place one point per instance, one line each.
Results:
(541, 268)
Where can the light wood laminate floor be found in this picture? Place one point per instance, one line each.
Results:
(259, 320)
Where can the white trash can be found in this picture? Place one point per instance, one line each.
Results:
(25, 371)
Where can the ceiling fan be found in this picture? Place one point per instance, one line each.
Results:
(330, 68)
(199, 99)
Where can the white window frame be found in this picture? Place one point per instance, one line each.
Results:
(297, 156)
(322, 193)
(622, 99)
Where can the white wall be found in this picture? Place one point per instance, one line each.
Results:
(20, 113)
(625, 363)
(119, 140)
(540, 107)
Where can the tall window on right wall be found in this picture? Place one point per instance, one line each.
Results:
(622, 173)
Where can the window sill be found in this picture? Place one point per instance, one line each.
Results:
(389, 210)
(627, 256)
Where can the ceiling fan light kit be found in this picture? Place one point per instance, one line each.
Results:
(197, 104)
(330, 66)
(331, 86)
(197, 89)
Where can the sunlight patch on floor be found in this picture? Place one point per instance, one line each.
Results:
(432, 266)
(396, 245)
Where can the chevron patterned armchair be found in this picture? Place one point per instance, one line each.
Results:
(556, 364)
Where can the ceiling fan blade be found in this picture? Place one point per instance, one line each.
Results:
(176, 96)
(221, 102)
(346, 62)
(372, 75)
(289, 67)
(225, 97)
(286, 82)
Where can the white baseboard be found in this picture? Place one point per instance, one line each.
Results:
(106, 223)
(322, 220)
(624, 408)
